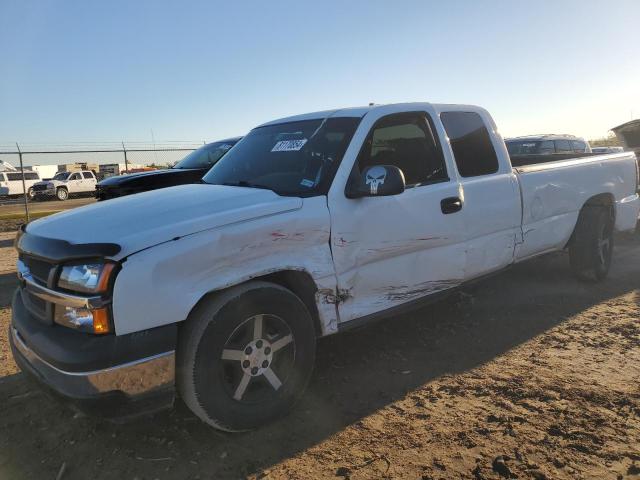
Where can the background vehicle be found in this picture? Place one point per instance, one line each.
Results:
(601, 150)
(11, 183)
(64, 184)
(311, 225)
(547, 145)
(188, 170)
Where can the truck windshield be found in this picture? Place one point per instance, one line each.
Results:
(294, 159)
(61, 176)
(205, 157)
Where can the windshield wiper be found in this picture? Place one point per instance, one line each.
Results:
(244, 183)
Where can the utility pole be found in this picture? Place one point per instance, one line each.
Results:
(24, 185)
(126, 163)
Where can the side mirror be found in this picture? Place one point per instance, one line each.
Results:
(377, 181)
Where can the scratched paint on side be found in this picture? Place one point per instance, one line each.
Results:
(405, 293)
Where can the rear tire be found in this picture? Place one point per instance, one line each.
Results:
(245, 356)
(591, 247)
(62, 194)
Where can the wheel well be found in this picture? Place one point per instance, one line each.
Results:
(299, 282)
(600, 200)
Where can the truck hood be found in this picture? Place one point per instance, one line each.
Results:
(146, 219)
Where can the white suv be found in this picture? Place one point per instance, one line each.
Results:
(64, 184)
(11, 183)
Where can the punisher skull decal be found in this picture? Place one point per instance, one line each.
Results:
(375, 177)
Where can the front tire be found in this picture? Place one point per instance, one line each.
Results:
(245, 356)
(591, 248)
(62, 194)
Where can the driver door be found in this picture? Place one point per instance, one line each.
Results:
(392, 250)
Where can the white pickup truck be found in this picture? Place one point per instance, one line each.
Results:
(310, 225)
(64, 184)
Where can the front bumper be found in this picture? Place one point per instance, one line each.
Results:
(117, 391)
(48, 192)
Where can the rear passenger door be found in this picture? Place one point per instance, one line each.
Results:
(75, 183)
(89, 182)
(492, 211)
(392, 250)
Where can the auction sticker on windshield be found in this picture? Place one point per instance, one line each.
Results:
(289, 145)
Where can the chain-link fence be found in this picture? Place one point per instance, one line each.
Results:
(38, 162)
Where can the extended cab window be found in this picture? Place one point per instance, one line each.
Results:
(471, 143)
(87, 175)
(405, 140)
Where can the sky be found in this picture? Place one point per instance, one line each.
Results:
(108, 71)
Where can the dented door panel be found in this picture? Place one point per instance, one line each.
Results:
(391, 250)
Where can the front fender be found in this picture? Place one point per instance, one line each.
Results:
(161, 285)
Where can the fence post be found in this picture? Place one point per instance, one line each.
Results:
(126, 163)
(24, 185)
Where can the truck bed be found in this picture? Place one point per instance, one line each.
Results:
(553, 192)
(524, 160)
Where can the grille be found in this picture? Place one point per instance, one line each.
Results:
(38, 268)
(39, 188)
(36, 306)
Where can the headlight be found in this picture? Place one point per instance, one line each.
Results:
(86, 277)
(89, 277)
(83, 319)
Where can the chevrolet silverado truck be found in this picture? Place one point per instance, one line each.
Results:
(64, 184)
(310, 225)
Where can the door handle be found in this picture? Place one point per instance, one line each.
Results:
(450, 205)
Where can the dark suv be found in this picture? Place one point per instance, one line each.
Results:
(188, 170)
(547, 145)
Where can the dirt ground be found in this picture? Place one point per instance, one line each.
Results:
(530, 374)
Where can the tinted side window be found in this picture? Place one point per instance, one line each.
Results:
(87, 175)
(75, 176)
(14, 177)
(579, 146)
(470, 143)
(31, 176)
(547, 147)
(563, 146)
(407, 141)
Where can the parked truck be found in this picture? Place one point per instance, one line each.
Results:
(311, 225)
(64, 184)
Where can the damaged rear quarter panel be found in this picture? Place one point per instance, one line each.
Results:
(161, 285)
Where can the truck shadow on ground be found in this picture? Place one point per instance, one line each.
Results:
(357, 373)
